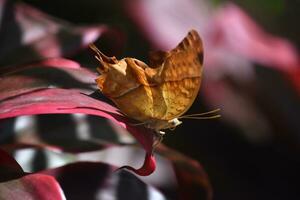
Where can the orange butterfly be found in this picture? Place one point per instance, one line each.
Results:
(159, 93)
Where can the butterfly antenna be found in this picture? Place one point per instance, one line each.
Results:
(138, 124)
(210, 117)
(102, 58)
(205, 115)
(99, 57)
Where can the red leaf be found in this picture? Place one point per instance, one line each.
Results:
(87, 180)
(35, 186)
(193, 182)
(177, 173)
(294, 77)
(147, 168)
(29, 91)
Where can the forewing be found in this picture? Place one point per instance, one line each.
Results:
(157, 58)
(180, 75)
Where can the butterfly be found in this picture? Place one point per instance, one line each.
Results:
(157, 94)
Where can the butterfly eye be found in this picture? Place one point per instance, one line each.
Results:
(174, 122)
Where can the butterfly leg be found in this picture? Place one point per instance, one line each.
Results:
(158, 138)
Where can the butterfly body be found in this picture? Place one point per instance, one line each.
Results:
(158, 93)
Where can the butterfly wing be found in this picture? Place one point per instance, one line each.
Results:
(159, 92)
(180, 74)
(157, 58)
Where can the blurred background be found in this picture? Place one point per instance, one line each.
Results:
(251, 73)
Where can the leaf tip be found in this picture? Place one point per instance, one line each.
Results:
(147, 168)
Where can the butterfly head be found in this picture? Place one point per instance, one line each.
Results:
(159, 125)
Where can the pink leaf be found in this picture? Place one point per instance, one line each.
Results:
(241, 35)
(228, 33)
(31, 35)
(164, 25)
